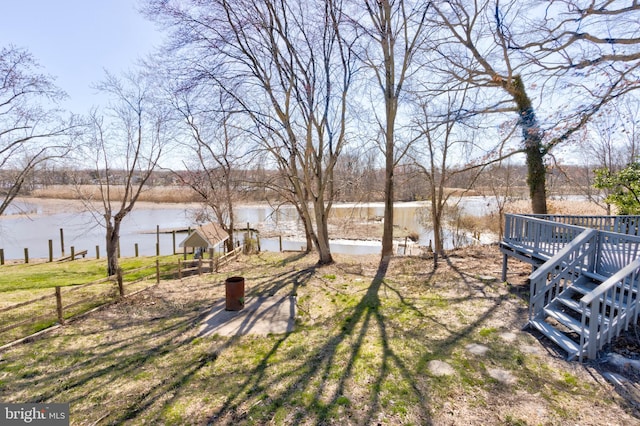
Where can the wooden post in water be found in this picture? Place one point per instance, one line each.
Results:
(173, 235)
(97, 252)
(59, 305)
(136, 249)
(73, 253)
(280, 240)
(62, 241)
(1, 256)
(50, 250)
(26, 255)
(157, 249)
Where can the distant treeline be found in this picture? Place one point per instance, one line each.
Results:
(354, 183)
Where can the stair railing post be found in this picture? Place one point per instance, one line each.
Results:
(592, 341)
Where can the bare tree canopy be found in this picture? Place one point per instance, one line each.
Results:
(124, 144)
(32, 130)
(393, 34)
(288, 68)
(549, 62)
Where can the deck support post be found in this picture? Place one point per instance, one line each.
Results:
(504, 267)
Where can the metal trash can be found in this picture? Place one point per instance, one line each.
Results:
(234, 293)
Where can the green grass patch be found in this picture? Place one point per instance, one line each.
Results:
(361, 357)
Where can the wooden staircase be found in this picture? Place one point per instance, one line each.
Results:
(585, 284)
(561, 318)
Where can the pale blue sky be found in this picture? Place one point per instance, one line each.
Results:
(75, 40)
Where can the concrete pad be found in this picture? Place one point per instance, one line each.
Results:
(261, 316)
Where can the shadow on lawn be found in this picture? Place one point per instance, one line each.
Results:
(325, 392)
(325, 375)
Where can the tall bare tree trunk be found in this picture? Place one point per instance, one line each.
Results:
(113, 238)
(322, 230)
(535, 151)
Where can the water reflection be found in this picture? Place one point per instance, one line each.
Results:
(32, 223)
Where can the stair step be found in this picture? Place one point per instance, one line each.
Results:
(566, 320)
(583, 286)
(556, 336)
(594, 276)
(566, 300)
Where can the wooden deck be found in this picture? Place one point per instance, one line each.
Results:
(585, 278)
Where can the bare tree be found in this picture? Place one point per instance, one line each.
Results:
(287, 66)
(32, 130)
(445, 147)
(499, 45)
(124, 145)
(395, 34)
(216, 143)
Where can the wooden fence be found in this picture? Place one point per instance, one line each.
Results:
(23, 320)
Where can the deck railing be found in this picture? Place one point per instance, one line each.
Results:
(628, 225)
(562, 270)
(605, 247)
(540, 237)
(610, 308)
(615, 252)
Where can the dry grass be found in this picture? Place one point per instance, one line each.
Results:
(360, 352)
(558, 207)
(156, 194)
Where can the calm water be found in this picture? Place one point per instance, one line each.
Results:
(36, 226)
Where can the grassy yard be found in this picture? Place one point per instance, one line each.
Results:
(367, 340)
(22, 283)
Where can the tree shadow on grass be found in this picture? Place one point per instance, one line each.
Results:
(120, 354)
(324, 393)
(321, 388)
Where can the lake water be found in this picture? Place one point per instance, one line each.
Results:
(31, 223)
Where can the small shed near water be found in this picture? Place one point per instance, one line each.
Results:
(205, 238)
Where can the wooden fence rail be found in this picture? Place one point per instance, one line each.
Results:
(25, 318)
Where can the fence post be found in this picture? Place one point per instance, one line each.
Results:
(50, 250)
(120, 283)
(173, 235)
(136, 249)
(73, 253)
(1, 256)
(97, 252)
(26, 255)
(62, 241)
(59, 305)
(157, 271)
(157, 249)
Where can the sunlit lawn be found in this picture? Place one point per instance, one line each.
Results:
(360, 353)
